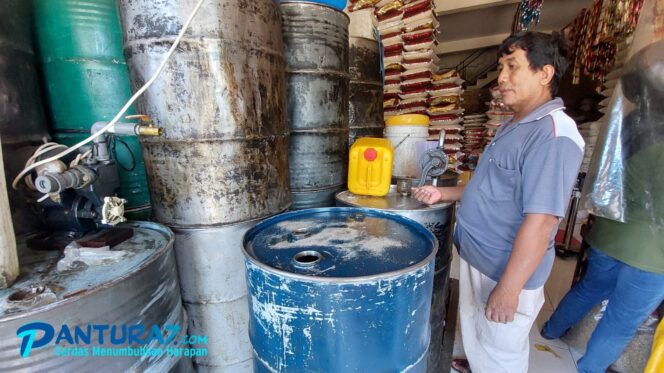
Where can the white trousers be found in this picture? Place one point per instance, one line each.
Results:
(494, 347)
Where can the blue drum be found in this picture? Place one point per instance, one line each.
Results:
(337, 4)
(339, 290)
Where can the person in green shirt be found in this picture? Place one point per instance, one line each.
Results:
(626, 260)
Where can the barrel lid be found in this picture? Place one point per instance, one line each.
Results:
(407, 120)
(392, 201)
(43, 286)
(339, 244)
(331, 4)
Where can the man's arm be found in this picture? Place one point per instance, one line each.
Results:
(529, 248)
(430, 194)
(547, 178)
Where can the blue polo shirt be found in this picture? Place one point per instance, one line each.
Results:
(530, 167)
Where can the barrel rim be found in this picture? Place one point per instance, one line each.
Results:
(94, 291)
(305, 2)
(436, 207)
(407, 120)
(422, 230)
(179, 229)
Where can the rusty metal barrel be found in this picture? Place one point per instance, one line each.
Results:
(365, 108)
(222, 164)
(214, 292)
(81, 309)
(22, 123)
(220, 99)
(316, 51)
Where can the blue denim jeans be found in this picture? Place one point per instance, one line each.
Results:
(632, 293)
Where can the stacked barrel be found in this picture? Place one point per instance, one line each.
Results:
(86, 81)
(222, 164)
(365, 99)
(317, 83)
(22, 122)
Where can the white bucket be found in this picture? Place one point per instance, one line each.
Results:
(406, 141)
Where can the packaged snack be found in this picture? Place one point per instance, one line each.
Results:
(444, 100)
(420, 92)
(422, 24)
(413, 102)
(416, 74)
(392, 6)
(390, 103)
(413, 36)
(416, 6)
(434, 110)
(445, 90)
(411, 84)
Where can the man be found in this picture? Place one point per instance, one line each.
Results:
(626, 260)
(511, 207)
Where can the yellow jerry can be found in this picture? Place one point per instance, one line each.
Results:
(370, 166)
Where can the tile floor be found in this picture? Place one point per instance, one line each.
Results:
(563, 361)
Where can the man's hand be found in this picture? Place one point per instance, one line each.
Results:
(501, 305)
(529, 247)
(428, 194)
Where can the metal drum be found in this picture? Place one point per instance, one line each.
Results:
(316, 51)
(22, 124)
(448, 179)
(214, 287)
(138, 287)
(86, 81)
(222, 164)
(365, 111)
(437, 219)
(221, 101)
(339, 290)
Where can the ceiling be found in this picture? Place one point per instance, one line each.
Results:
(472, 24)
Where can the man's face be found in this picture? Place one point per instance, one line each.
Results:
(518, 83)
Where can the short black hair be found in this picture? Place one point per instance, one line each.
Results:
(541, 50)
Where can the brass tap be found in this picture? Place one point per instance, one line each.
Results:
(150, 130)
(146, 127)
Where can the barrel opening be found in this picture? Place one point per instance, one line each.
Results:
(307, 258)
(26, 294)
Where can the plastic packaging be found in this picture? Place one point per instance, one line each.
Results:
(416, 74)
(370, 166)
(422, 24)
(412, 84)
(632, 135)
(76, 255)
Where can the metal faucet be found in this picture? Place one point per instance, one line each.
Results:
(434, 162)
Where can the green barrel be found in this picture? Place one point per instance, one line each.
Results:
(80, 50)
